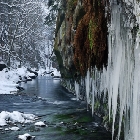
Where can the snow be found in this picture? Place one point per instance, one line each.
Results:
(41, 71)
(15, 117)
(8, 81)
(56, 72)
(21, 71)
(30, 74)
(9, 78)
(6, 129)
(44, 72)
(1, 62)
(40, 123)
(14, 128)
(25, 136)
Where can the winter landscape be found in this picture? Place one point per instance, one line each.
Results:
(69, 69)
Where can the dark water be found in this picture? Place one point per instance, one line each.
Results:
(67, 119)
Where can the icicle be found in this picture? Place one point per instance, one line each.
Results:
(87, 83)
(121, 78)
(77, 90)
(93, 90)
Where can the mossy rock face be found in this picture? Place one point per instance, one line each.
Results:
(85, 32)
(90, 41)
(60, 19)
(65, 73)
(83, 40)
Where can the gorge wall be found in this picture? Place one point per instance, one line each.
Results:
(98, 52)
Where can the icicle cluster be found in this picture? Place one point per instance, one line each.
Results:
(121, 79)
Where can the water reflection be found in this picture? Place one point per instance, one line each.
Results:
(66, 119)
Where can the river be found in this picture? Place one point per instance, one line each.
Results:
(66, 118)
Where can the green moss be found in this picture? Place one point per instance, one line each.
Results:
(66, 118)
(71, 5)
(81, 13)
(78, 131)
(96, 105)
(60, 19)
(90, 35)
(59, 59)
(63, 116)
(85, 119)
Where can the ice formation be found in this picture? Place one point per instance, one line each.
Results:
(121, 79)
(77, 90)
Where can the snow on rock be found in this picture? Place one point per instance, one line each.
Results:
(6, 129)
(56, 72)
(15, 116)
(1, 62)
(7, 90)
(40, 123)
(26, 136)
(14, 128)
(41, 71)
(30, 74)
(9, 79)
(21, 71)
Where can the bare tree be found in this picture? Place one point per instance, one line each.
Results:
(22, 28)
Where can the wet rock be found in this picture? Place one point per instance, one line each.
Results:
(2, 66)
(20, 88)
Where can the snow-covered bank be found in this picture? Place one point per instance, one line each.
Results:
(8, 81)
(11, 78)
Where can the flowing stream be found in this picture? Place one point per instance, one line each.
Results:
(66, 118)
